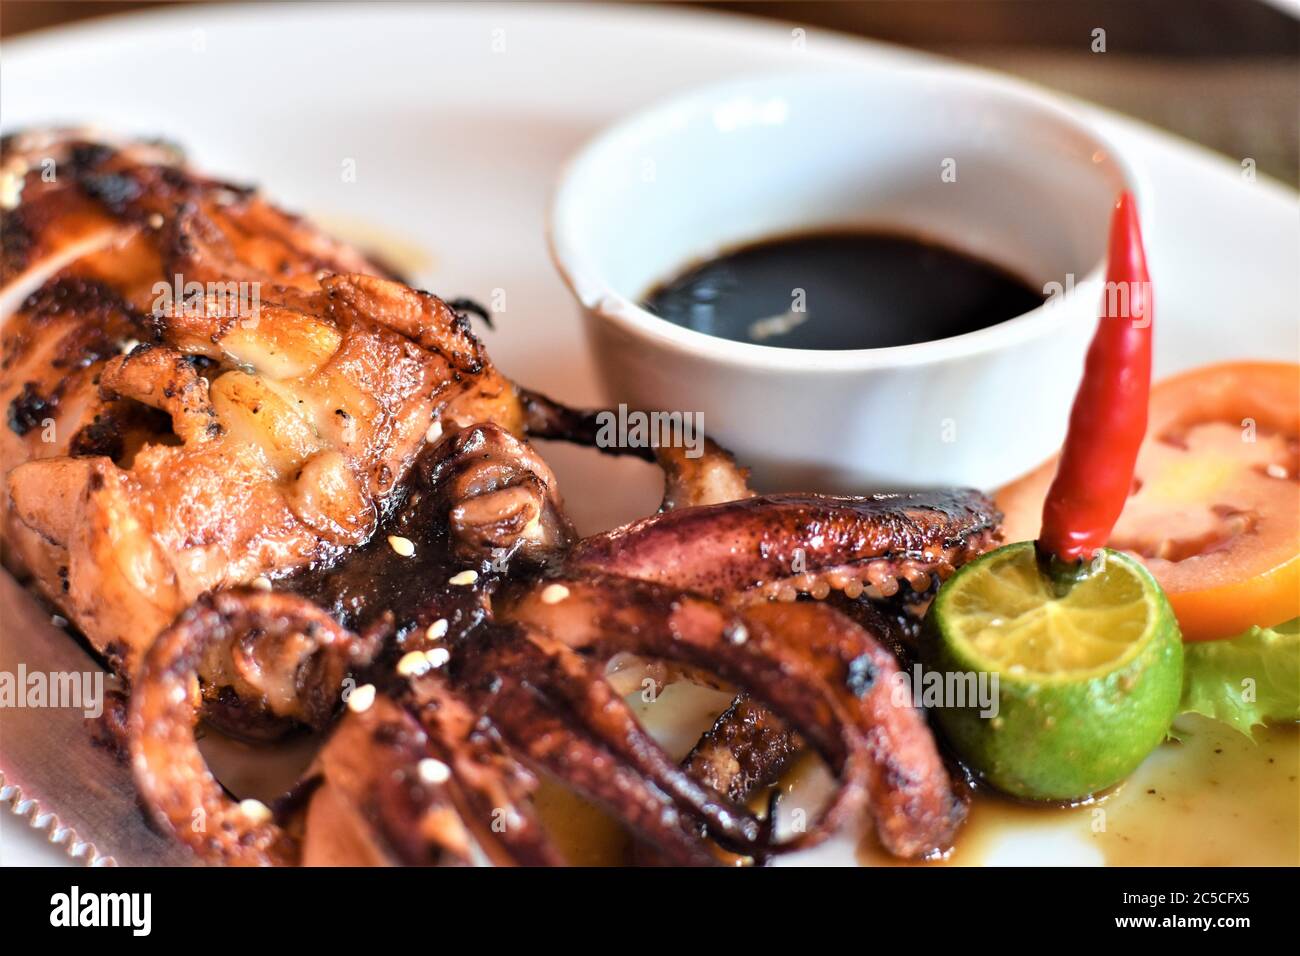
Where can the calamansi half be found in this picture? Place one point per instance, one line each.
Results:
(1088, 680)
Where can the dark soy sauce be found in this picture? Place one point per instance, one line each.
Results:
(841, 290)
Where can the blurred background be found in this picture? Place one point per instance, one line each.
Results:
(1223, 73)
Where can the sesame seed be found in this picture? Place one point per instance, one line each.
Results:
(261, 583)
(554, 593)
(255, 810)
(464, 578)
(11, 190)
(412, 664)
(438, 656)
(437, 630)
(403, 546)
(434, 433)
(156, 221)
(433, 771)
(738, 635)
(359, 700)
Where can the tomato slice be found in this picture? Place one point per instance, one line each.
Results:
(1215, 507)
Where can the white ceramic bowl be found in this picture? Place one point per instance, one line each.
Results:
(764, 156)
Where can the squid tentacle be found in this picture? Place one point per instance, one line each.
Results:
(170, 772)
(915, 808)
(501, 495)
(542, 736)
(492, 789)
(710, 477)
(779, 545)
(424, 544)
(822, 673)
(579, 685)
(608, 616)
(369, 793)
(371, 764)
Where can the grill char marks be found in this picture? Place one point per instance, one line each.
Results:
(343, 442)
(291, 410)
(778, 545)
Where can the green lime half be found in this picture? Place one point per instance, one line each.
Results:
(1087, 682)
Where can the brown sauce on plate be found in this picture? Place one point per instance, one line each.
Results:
(1214, 798)
(841, 290)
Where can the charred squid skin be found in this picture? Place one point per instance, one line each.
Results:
(500, 495)
(746, 551)
(373, 759)
(491, 789)
(780, 545)
(369, 771)
(171, 774)
(578, 687)
(825, 676)
(553, 710)
(916, 810)
(410, 364)
(748, 747)
(603, 616)
(542, 736)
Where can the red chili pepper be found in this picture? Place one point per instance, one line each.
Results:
(1109, 418)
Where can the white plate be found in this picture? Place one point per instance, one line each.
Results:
(456, 121)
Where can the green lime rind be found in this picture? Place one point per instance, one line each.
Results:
(1062, 736)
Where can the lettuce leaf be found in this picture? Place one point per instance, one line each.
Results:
(1251, 679)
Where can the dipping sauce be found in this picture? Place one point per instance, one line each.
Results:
(841, 290)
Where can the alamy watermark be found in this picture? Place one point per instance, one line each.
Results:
(1119, 300)
(212, 300)
(133, 911)
(636, 429)
(70, 690)
(933, 689)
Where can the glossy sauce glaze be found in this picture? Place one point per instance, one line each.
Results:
(1213, 798)
(841, 290)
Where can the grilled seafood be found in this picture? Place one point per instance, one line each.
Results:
(160, 450)
(318, 505)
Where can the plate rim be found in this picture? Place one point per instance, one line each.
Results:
(749, 30)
